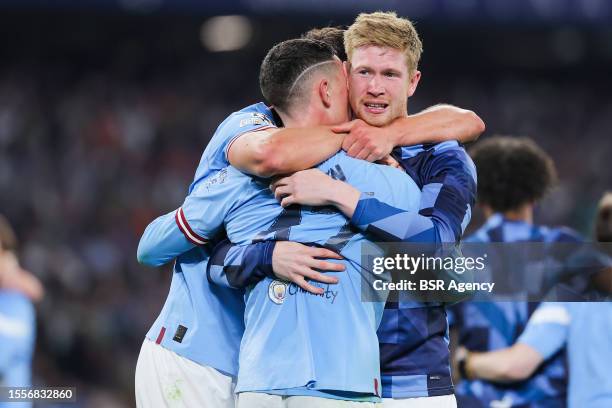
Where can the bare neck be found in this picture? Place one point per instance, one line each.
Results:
(523, 213)
(302, 115)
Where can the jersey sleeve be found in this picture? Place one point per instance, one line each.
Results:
(202, 215)
(199, 219)
(240, 123)
(447, 179)
(547, 329)
(238, 266)
(162, 241)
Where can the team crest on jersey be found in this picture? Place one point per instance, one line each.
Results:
(256, 119)
(277, 291)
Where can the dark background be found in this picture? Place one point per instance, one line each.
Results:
(106, 106)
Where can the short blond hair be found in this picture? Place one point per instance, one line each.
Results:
(385, 29)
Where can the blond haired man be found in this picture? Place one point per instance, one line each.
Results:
(383, 52)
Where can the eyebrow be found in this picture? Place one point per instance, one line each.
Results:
(383, 70)
(392, 70)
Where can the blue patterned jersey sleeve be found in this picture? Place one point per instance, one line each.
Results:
(447, 178)
(238, 266)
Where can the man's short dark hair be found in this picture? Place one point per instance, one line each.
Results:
(512, 172)
(333, 36)
(284, 64)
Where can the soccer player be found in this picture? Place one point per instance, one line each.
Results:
(335, 357)
(383, 52)
(514, 175)
(220, 311)
(584, 329)
(18, 290)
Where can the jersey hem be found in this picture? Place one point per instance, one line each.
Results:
(319, 388)
(431, 392)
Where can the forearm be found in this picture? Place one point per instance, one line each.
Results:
(436, 124)
(284, 151)
(162, 241)
(345, 198)
(297, 149)
(511, 364)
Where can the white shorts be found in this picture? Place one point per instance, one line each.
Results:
(261, 400)
(442, 401)
(165, 379)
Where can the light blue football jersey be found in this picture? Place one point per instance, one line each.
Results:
(586, 330)
(17, 334)
(296, 340)
(200, 321)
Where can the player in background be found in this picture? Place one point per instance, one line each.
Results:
(583, 329)
(382, 75)
(332, 36)
(514, 175)
(267, 153)
(18, 290)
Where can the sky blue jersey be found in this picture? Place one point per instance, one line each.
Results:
(17, 335)
(586, 330)
(199, 321)
(413, 336)
(331, 339)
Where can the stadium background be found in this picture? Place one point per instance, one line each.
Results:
(106, 106)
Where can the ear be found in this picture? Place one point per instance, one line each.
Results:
(346, 68)
(324, 93)
(414, 82)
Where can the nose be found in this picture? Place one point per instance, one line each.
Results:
(375, 87)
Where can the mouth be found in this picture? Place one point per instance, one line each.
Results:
(376, 107)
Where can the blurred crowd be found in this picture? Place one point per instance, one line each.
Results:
(89, 156)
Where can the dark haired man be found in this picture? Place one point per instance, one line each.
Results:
(513, 176)
(584, 329)
(333, 36)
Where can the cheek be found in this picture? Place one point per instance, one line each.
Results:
(352, 96)
(356, 86)
(400, 96)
